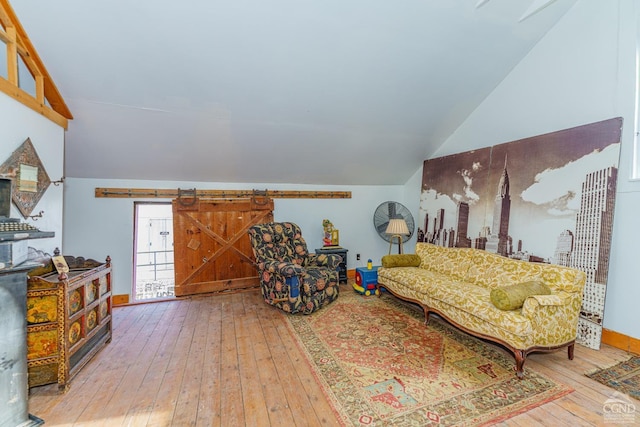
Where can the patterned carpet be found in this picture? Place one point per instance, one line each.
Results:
(623, 377)
(379, 365)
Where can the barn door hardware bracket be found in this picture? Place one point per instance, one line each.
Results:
(264, 194)
(187, 197)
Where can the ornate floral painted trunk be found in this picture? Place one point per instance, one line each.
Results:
(68, 319)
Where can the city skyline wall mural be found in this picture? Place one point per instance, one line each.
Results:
(548, 198)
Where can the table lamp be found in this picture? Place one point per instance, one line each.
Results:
(397, 228)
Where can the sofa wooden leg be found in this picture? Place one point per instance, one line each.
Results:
(520, 358)
(570, 349)
(426, 316)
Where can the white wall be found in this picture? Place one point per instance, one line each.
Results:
(583, 71)
(97, 227)
(18, 124)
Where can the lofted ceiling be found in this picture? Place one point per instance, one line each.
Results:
(279, 91)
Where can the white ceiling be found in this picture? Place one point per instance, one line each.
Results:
(278, 91)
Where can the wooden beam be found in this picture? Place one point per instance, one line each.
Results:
(28, 100)
(160, 193)
(4, 16)
(6, 39)
(12, 56)
(40, 89)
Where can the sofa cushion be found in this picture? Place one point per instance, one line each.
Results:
(512, 297)
(491, 270)
(401, 260)
(470, 306)
(453, 262)
(417, 279)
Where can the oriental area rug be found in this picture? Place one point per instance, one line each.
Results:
(379, 365)
(623, 377)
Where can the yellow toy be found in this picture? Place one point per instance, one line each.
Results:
(369, 291)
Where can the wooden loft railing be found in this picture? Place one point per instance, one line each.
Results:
(47, 100)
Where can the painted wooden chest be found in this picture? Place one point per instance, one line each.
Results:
(68, 319)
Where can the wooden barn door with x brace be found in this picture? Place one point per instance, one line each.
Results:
(211, 244)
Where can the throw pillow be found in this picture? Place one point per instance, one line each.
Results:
(512, 297)
(401, 260)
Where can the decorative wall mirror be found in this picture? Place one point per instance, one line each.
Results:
(30, 179)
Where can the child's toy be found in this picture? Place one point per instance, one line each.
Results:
(366, 281)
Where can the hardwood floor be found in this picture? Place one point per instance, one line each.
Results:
(227, 360)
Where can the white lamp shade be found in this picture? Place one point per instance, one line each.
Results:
(397, 226)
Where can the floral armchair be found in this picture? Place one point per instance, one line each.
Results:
(291, 278)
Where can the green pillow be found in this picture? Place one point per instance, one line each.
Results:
(512, 297)
(401, 260)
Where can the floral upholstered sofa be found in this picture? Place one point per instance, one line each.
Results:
(291, 278)
(466, 286)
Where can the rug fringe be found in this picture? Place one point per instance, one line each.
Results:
(527, 408)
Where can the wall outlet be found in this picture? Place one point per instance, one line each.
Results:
(357, 257)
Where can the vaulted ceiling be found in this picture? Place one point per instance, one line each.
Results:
(279, 91)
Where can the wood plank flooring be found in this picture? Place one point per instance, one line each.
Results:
(228, 360)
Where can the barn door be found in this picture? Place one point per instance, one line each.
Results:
(212, 249)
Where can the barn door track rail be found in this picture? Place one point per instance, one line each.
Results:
(160, 193)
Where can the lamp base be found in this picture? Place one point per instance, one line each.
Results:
(399, 237)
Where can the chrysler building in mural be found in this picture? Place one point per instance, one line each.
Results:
(499, 241)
